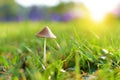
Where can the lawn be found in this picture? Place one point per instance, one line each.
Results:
(81, 50)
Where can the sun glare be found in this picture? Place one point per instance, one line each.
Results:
(97, 17)
(99, 8)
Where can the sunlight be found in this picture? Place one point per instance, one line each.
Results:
(100, 8)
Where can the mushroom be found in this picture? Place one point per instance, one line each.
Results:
(45, 33)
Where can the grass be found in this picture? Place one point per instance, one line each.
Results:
(80, 50)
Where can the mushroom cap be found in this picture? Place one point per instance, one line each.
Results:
(45, 33)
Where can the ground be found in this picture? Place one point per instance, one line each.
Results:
(81, 49)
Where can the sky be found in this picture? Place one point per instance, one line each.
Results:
(97, 8)
(28, 3)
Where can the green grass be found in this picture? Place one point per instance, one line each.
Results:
(81, 49)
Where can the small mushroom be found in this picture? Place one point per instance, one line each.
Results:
(45, 33)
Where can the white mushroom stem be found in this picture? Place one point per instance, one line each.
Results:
(44, 50)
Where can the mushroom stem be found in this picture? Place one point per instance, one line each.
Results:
(44, 50)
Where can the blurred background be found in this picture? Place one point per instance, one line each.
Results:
(58, 10)
(88, 37)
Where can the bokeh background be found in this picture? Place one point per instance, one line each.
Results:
(58, 10)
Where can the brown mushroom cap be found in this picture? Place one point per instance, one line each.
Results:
(46, 33)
